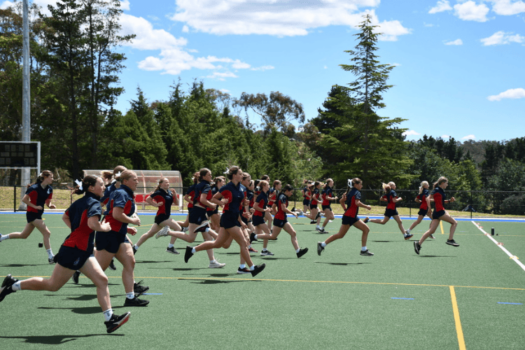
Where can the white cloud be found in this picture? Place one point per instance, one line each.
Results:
(442, 5)
(445, 136)
(469, 137)
(501, 38)
(395, 64)
(411, 133)
(6, 4)
(185, 29)
(124, 5)
(279, 17)
(263, 68)
(508, 7)
(428, 25)
(325, 67)
(511, 93)
(222, 75)
(455, 42)
(147, 37)
(224, 91)
(469, 11)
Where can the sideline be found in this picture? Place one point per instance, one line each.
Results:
(457, 320)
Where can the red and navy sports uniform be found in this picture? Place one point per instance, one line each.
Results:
(391, 205)
(191, 194)
(78, 246)
(306, 199)
(198, 214)
(107, 193)
(242, 208)
(439, 201)
(262, 202)
(214, 191)
(313, 200)
(280, 217)
(352, 210)
(110, 241)
(251, 198)
(272, 195)
(326, 195)
(166, 199)
(235, 196)
(39, 196)
(423, 207)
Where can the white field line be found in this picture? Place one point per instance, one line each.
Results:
(512, 256)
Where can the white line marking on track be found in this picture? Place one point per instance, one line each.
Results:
(511, 256)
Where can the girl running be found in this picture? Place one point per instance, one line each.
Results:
(232, 197)
(281, 222)
(315, 214)
(215, 218)
(261, 207)
(391, 198)
(273, 193)
(306, 197)
(268, 215)
(246, 216)
(327, 197)
(424, 208)
(351, 201)
(76, 252)
(36, 196)
(439, 196)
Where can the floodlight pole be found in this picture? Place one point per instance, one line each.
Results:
(26, 96)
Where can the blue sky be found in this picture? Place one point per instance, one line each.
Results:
(459, 64)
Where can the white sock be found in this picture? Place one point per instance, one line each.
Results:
(408, 231)
(170, 245)
(323, 244)
(242, 266)
(364, 249)
(49, 253)
(16, 286)
(136, 247)
(252, 267)
(264, 249)
(193, 251)
(107, 314)
(4, 237)
(255, 236)
(130, 295)
(213, 261)
(249, 246)
(298, 250)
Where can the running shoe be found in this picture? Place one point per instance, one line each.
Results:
(452, 243)
(216, 265)
(417, 247)
(7, 286)
(0, 237)
(257, 269)
(134, 250)
(136, 302)
(203, 224)
(51, 260)
(251, 250)
(313, 222)
(252, 237)
(188, 254)
(320, 248)
(366, 253)
(408, 236)
(432, 236)
(266, 252)
(317, 228)
(76, 275)
(205, 228)
(163, 232)
(172, 250)
(302, 252)
(318, 215)
(366, 220)
(323, 231)
(243, 270)
(112, 265)
(138, 288)
(116, 322)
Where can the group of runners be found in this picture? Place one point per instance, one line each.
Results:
(251, 211)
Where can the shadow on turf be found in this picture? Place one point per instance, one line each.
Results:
(79, 310)
(89, 285)
(21, 265)
(206, 281)
(340, 264)
(58, 339)
(151, 262)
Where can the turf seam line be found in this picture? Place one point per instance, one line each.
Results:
(513, 257)
(457, 320)
(441, 225)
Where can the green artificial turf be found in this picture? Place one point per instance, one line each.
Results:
(339, 300)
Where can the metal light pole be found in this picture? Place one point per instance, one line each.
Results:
(26, 95)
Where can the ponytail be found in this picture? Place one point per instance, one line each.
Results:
(87, 182)
(117, 172)
(423, 183)
(161, 181)
(41, 177)
(386, 188)
(440, 181)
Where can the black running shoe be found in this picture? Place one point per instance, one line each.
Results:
(138, 288)
(136, 302)
(76, 275)
(188, 254)
(116, 322)
(252, 238)
(417, 247)
(257, 269)
(320, 248)
(172, 250)
(302, 252)
(112, 265)
(366, 253)
(452, 243)
(366, 220)
(313, 222)
(408, 236)
(134, 250)
(51, 260)
(243, 270)
(7, 286)
(318, 215)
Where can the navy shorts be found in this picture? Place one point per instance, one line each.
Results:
(438, 214)
(306, 202)
(279, 223)
(348, 220)
(161, 218)
(327, 207)
(313, 206)
(391, 212)
(110, 241)
(198, 215)
(422, 212)
(244, 219)
(32, 216)
(211, 213)
(72, 258)
(229, 220)
(258, 220)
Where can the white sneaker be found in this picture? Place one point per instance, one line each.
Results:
(216, 265)
(163, 232)
(203, 224)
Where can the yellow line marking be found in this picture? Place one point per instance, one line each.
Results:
(441, 225)
(459, 329)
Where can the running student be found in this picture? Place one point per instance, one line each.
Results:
(273, 193)
(215, 218)
(281, 222)
(232, 197)
(246, 216)
(315, 214)
(115, 243)
(37, 195)
(261, 207)
(268, 215)
(76, 252)
(351, 202)
(327, 197)
(424, 208)
(439, 196)
(162, 198)
(306, 198)
(391, 198)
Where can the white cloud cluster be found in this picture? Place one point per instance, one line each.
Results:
(279, 17)
(469, 137)
(508, 7)
(511, 93)
(502, 38)
(411, 133)
(470, 11)
(442, 5)
(456, 42)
